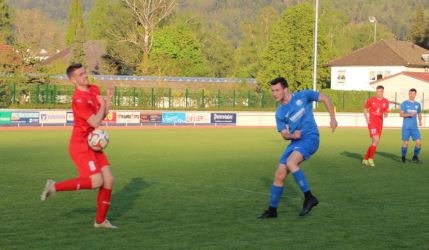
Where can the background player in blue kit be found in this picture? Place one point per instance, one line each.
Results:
(295, 122)
(410, 110)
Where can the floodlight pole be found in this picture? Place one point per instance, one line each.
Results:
(315, 48)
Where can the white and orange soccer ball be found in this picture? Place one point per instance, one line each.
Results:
(98, 140)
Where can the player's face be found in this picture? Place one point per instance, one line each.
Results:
(80, 77)
(278, 92)
(412, 95)
(379, 93)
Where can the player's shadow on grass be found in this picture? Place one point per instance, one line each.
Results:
(351, 155)
(391, 156)
(122, 201)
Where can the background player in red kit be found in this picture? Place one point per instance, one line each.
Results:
(89, 110)
(377, 107)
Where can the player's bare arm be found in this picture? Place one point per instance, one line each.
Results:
(402, 114)
(365, 113)
(108, 101)
(420, 119)
(386, 113)
(294, 136)
(330, 107)
(95, 120)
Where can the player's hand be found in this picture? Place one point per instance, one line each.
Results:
(109, 93)
(334, 124)
(296, 135)
(420, 123)
(101, 100)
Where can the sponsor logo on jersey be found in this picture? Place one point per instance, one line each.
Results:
(297, 115)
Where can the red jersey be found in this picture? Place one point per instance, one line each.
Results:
(84, 104)
(377, 108)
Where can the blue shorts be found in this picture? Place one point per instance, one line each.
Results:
(413, 133)
(306, 147)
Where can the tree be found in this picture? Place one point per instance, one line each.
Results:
(75, 27)
(177, 52)
(419, 33)
(255, 36)
(146, 16)
(37, 32)
(98, 17)
(75, 36)
(217, 49)
(6, 36)
(289, 51)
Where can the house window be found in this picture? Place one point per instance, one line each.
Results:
(378, 75)
(372, 76)
(341, 78)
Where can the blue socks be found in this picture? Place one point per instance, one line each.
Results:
(301, 181)
(404, 151)
(276, 192)
(275, 195)
(416, 151)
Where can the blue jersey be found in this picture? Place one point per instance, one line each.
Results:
(409, 107)
(297, 114)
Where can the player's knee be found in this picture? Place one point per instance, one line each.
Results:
(406, 144)
(108, 182)
(97, 181)
(292, 166)
(280, 174)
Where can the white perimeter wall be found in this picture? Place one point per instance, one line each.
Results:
(322, 119)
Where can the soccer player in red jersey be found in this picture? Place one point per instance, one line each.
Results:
(89, 110)
(377, 107)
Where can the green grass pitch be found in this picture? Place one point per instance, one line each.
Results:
(204, 188)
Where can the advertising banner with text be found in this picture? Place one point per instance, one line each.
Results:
(128, 117)
(151, 117)
(197, 118)
(224, 118)
(52, 117)
(24, 118)
(110, 118)
(173, 117)
(5, 118)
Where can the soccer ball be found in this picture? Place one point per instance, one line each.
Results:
(98, 140)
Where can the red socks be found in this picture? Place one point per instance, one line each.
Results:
(370, 152)
(74, 184)
(103, 204)
(103, 198)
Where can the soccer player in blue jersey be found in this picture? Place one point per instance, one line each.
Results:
(295, 122)
(410, 110)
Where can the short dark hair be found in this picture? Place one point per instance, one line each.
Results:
(280, 80)
(72, 68)
(413, 90)
(380, 87)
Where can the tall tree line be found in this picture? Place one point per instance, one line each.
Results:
(211, 38)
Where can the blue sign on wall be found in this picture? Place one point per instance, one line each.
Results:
(173, 118)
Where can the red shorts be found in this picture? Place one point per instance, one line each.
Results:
(375, 129)
(88, 162)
